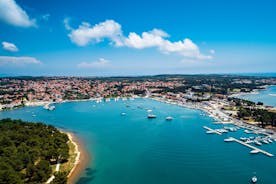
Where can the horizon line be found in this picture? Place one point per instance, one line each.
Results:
(262, 74)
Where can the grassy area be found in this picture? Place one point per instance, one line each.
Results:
(68, 166)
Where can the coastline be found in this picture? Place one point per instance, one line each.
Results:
(217, 117)
(81, 160)
(254, 92)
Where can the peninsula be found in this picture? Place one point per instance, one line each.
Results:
(35, 153)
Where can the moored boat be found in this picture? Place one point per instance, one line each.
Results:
(254, 179)
(247, 131)
(254, 151)
(230, 139)
(257, 143)
(169, 118)
(151, 116)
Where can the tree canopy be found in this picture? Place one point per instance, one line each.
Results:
(27, 151)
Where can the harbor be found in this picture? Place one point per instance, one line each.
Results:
(156, 143)
(257, 150)
(258, 140)
(211, 131)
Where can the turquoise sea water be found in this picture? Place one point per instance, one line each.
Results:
(132, 149)
(263, 96)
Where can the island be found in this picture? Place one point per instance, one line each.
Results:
(35, 153)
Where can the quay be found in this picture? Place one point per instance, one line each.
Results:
(212, 130)
(252, 147)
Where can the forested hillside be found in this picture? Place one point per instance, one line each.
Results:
(27, 151)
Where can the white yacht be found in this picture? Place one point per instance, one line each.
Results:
(210, 132)
(257, 143)
(254, 179)
(169, 118)
(151, 116)
(232, 129)
(123, 113)
(98, 101)
(230, 139)
(48, 107)
(243, 138)
(254, 151)
(247, 131)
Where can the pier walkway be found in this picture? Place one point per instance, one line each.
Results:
(252, 147)
(212, 130)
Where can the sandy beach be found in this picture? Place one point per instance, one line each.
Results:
(81, 161)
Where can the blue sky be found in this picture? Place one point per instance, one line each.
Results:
(116, 37)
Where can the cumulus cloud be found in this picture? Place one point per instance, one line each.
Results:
(155, 38)
(66, 23)
(13, 14)
(96, 64)
(212, 51)
(86, 33)
(9, 46)
(11, 60)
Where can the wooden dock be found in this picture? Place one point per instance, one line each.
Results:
(252, 147)
(212, 130)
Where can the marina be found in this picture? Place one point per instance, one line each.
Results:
(255, 149)
(148, 145)
(211, 131)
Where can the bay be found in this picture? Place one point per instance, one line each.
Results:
(133, 149)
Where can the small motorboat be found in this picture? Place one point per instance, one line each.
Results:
(123, 113)
(257, 143)
(230, 139)
(254, 179)
(169, 118)
(151, 116)
(254, 151)
(247, 131)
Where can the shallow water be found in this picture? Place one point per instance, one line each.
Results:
(133, 149)
(267, 96)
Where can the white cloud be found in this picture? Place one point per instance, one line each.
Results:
(85, 33)
(46, 17)
(155, 38)
(9, 46)
(212, 51)
(13, 14)
(152, 38)
(66, 23)
(7, 60)
(96, 64)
